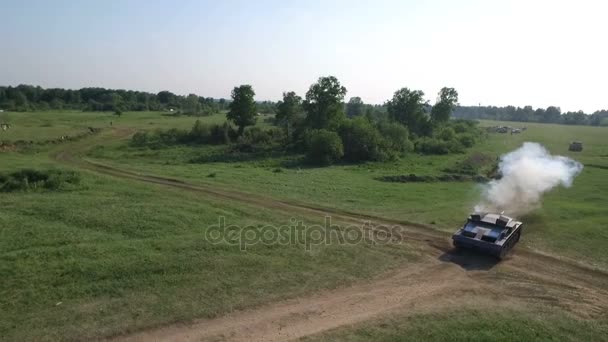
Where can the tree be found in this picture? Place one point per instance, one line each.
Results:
(242, 108)
(574, 118)
(447, 100)
(288, 109)
(323, 104)
(166, 97)
(192, 105)
(355, 107)
(407, 108)
(552, 114)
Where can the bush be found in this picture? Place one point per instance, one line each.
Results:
(210, 134)
(396, 137)
(362, 141)
(463, 126)
(199, 134)
(222, 134)
(255, 138)
(172, 136)
(29, 179)
(467, 139)
(140, 139)
(324, 147)
(432, 146)
(447, 134)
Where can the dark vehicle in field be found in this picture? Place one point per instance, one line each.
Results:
(575, 146)
(493, 234)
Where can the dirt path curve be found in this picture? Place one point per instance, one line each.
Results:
(438, 280)
(292, 319)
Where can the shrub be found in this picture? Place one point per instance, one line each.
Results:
(324, 147)
(140, 139)
(432, 146)
(222, 134)
(466, 139)
(210, 134)
(447, 134)
(396, 137)
(255, 138)
(362, 141)
(29, 179)
(199, 134)
(463, 126)
(171, 136)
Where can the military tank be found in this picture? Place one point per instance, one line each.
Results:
(575, 146)
(488, 233)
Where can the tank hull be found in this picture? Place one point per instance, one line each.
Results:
(490, 239)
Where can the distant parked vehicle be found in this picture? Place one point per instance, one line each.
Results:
(576, 146)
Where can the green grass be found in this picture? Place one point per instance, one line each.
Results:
(118, 256)
(115, 255)
(40, 126)
(474, 325)
(570, 222)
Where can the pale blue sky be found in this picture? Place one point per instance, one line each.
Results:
(493, 52)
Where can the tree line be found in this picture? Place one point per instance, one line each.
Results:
(35, 98)
(551, 114)
(327, 130)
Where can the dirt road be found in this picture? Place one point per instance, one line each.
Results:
(442, 278)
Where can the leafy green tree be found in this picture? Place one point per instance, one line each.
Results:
(191, 105)
(407, 108)
(242, 108)
(574, 118)
(288, 110)
(355, 107)
(20, 100)
(166, 97)
(447, 100)
(552, 114)
(323, 104)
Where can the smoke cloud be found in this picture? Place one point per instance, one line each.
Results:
(527, 173)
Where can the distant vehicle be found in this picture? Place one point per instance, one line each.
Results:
(493, 234)
(575, 146)
(515, 131)
(504, 129)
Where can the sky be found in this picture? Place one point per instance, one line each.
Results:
(533, 52)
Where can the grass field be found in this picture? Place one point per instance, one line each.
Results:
(569, 223)
(117, 255)
(39, 126)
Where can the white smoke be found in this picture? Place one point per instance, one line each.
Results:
(527, 173)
